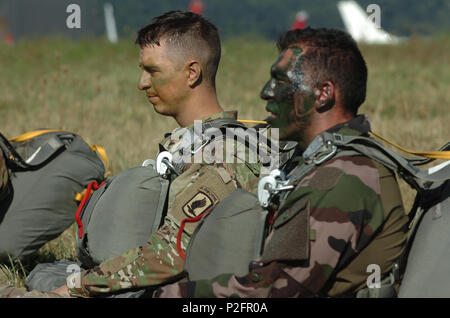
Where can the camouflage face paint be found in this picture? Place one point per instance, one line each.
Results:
(162, 79)
(289, 99)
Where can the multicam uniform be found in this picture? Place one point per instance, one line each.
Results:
(343, 216)
(199, 187)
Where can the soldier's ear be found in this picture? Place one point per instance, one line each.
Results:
(325, 96)
(194, 73)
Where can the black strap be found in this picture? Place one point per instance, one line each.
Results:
(15, 161)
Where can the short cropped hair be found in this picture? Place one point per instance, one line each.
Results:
(331, 55)
(190, 33)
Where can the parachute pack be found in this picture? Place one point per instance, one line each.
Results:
(47, 168)
(121, 214)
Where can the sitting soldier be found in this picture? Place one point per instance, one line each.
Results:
(345, 211)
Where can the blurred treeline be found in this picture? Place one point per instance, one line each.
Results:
(266, 18)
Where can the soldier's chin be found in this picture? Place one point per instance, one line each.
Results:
(165, 111)
(159, 109)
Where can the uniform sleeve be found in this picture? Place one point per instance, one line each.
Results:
(343, 219)
(144, 266)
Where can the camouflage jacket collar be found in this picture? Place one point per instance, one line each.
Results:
(358, 126)
(169, 143)
(319, 150)
(232, 114)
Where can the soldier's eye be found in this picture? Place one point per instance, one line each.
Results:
(151, 70)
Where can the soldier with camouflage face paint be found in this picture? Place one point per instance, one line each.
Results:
(179, 57)
(180, 53)
(344, 215)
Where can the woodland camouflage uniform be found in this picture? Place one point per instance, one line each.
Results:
(343, 216)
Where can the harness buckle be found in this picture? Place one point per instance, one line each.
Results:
(270, 185)
(193, 152)
(164, 163)
(319, 151)
(331, 151)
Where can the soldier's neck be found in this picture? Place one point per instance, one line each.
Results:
(322, 123)
(198, 107)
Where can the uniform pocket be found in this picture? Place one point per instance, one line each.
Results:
(289, 240)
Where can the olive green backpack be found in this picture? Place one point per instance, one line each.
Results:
(47, 169)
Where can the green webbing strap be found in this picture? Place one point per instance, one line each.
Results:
(222, 123)
(386, 290)
(163, 194)
(389, 158)
(331, 145)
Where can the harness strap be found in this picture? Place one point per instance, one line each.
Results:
(443, 153)
(180, 230)
(386, 289)
(161, 203)
(92, 185)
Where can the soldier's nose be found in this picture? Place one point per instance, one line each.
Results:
(144, 82)
(267, 91)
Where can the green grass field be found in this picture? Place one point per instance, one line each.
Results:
(90, 87)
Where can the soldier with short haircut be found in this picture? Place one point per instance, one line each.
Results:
(345, 214)
(179, 57)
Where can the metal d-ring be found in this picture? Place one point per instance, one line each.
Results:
(170, 166)
(328, 156)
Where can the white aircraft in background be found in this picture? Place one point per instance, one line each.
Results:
(110, 23)
(361, 28)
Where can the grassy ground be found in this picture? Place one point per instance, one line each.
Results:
(91, 88)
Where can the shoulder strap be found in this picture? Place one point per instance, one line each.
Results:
(332, 145)
(416, 177)
(222, 123)
(442, 153)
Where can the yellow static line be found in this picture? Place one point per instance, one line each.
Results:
(426, 154)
